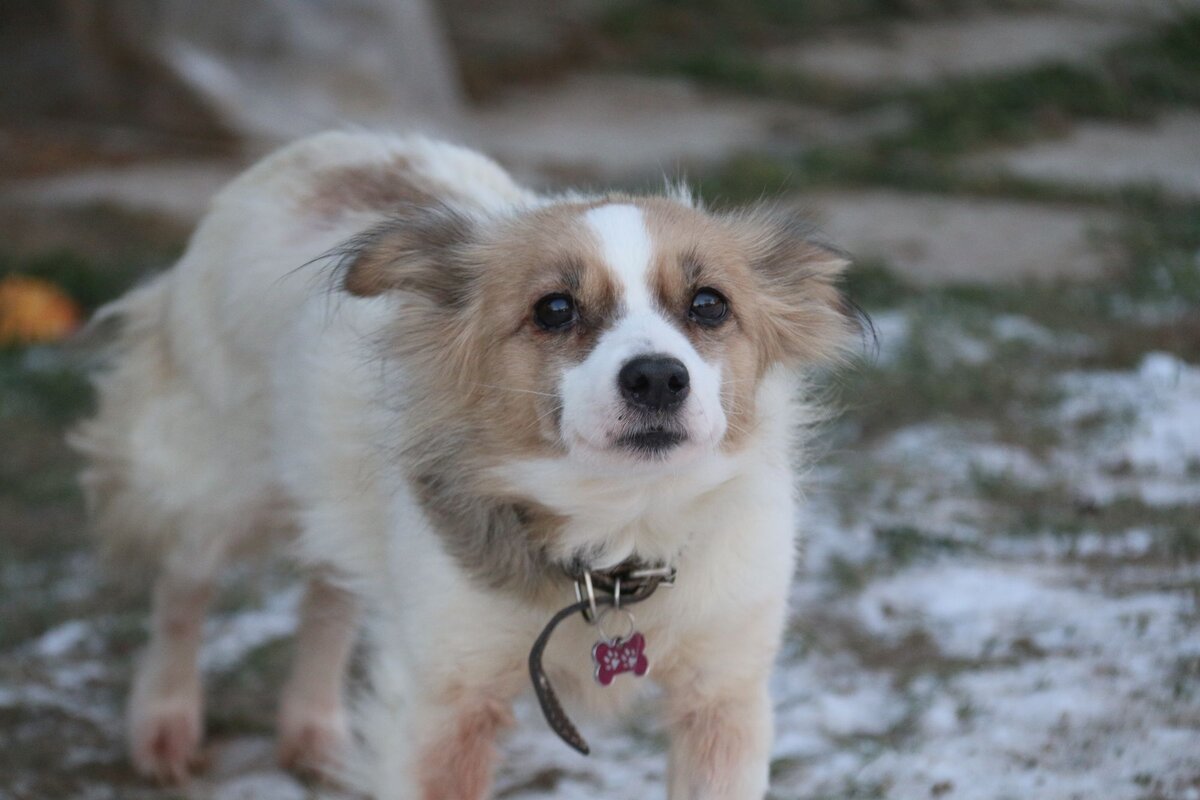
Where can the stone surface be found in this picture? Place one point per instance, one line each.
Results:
(612, 126)
(1106, 155)
(587, 128)
(1133, 9)
(278, 69)
(911, 52)
(176, 190)
(258, 69)
(930, 239)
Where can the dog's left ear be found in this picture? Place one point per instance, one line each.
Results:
(419, 251)
(806, 316)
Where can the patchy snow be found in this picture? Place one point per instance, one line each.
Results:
(59, 641)
(950, 455)
(1149, 443)
(230, 639)
(259, 786)
(1016, 328)
(979, 611)
(1048, 729)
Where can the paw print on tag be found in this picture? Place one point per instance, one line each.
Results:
(618, 656)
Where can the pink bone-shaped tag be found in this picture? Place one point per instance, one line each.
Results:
(620, 655)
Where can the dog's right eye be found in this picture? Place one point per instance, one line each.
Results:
(554, 312)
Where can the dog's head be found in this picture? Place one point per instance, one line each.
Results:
(623, 331)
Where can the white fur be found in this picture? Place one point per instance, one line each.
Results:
(251, 401)
(625, 246)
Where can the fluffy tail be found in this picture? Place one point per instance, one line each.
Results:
(132, 367)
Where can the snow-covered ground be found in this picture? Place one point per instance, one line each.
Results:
(944, 645)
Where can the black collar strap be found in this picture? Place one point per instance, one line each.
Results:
(625, 584)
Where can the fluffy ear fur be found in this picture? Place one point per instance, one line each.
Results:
(420, 251)
(806, 317)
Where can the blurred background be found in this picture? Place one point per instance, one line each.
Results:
(1000, 592)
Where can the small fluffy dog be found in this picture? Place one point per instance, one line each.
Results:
(461, 400)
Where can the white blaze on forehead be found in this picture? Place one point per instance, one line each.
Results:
(625, 246)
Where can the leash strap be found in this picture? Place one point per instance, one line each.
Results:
(552, 710)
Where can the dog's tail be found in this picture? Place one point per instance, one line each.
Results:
(125, 346)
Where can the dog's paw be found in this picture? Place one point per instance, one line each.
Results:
(165, 739)
(312, 738)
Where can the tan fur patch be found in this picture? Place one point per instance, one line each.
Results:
(459, 765)
(378, 186)
(417, 250)
(545, 253)
(716, 740)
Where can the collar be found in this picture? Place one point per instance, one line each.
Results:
(629, 582)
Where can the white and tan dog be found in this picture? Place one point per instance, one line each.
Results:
(486, 390)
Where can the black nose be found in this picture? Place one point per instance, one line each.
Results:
(657, 383)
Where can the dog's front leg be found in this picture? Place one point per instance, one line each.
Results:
(457, 750)
(719, 710)
(166, 703)
(720, 744)
(313, 731)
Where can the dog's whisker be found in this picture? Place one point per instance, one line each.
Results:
(514, 389)
(735, 427)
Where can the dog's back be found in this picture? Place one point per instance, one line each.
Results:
(187, 383)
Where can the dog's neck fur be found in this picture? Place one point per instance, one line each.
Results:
(517, 525)
(536, 518)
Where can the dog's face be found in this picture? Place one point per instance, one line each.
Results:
(642, 389)
(612, 333)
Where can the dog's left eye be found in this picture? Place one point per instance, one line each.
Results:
(554, 312)
(709, 307)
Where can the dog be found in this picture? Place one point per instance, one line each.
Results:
(509, 435)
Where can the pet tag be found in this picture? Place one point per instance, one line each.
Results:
(619, 654)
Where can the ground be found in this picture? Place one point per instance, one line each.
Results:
(999, 595)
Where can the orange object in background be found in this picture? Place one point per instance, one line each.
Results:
(34, 310)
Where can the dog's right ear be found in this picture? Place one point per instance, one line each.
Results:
(420, 250)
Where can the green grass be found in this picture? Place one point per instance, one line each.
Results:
(50, 395)
(713, 41)
(1131, 82)
(895, 547)
(241, 691)
(1022, 510)
(1163, 240)
(923, 381)
(720, 42)
(906, 544)
(697, 26)
(721, 46)
(749, 177)
(745, 73)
